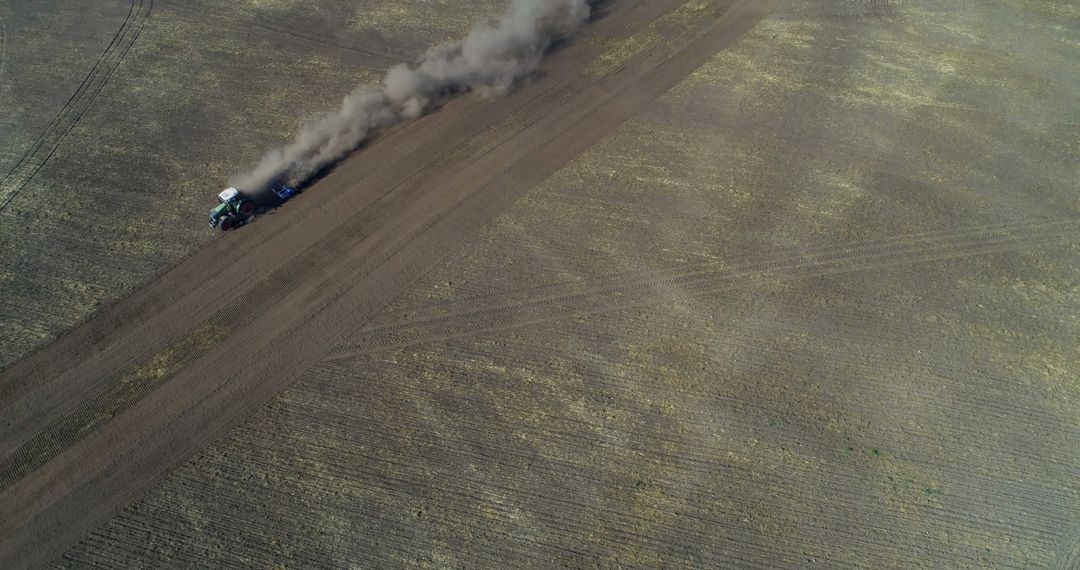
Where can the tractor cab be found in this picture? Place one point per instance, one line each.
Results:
(228, 195)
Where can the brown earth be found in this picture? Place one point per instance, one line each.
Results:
(727, 284)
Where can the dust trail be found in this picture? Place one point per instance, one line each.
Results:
(489, 60)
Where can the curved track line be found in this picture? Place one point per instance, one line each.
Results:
(604, 297)
(76, 106)
(819, 246)
(395, 56)
(1068, 557)
(3, 48)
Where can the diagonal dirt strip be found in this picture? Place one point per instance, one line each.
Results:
(129, 339)
(553, 301)
(372, 258)
(274, 255)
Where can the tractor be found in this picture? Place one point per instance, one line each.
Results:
(233, 211)
(236, 209)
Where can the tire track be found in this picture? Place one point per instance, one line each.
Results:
(390, 55)
(577, 298)
(818, 246)
(1068, 557)
(73, 110)
(770, 254)
(3, 48)
(587, 303)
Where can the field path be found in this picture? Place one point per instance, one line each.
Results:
(91, 421)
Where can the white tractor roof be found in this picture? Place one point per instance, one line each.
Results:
(228, 194)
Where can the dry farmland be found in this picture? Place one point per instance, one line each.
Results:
(725, 284)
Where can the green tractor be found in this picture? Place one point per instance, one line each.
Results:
(234, 210)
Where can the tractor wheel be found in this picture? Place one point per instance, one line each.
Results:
(246, 208)
(229, 224)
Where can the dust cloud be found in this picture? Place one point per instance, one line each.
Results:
(490, 60)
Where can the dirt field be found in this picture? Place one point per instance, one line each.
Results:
(728, 284)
